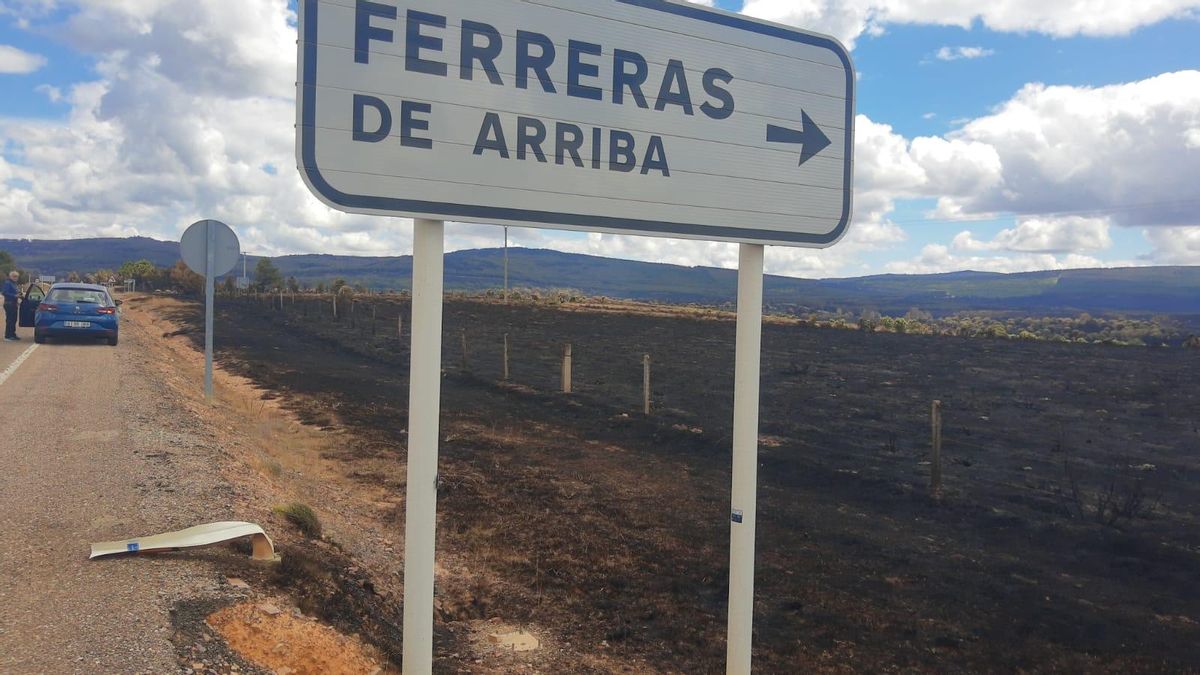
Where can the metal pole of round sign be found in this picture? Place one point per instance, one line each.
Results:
(209, 248)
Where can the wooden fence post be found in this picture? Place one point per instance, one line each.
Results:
(566, 369)
(373, 317)
(506, 357)
(646, 384)
(465, 365)
(935, 473)
(335, 316)
(400, 326)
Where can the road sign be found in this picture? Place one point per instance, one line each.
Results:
(628, 116)
(210, 248)
(193, 247)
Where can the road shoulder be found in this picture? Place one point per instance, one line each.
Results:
(103, 449)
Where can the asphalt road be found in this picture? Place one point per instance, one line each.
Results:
(88, 452)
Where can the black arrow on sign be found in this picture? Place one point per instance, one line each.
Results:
(812, 138)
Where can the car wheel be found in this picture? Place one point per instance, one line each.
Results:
(112, 341)
(39, 338)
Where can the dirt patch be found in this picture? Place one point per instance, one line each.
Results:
(279, 637)
(515, 640)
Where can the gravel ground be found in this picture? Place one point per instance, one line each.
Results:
(94, 447)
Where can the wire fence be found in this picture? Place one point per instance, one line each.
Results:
(683, 376)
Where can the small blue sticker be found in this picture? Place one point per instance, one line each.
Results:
(736, 516)
(132, 547)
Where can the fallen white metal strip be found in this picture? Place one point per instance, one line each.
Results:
(200, 535)
(12, 368)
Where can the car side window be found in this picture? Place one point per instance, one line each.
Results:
(35, 293)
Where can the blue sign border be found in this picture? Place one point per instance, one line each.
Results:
(548, 218)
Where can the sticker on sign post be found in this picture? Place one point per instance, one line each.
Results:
(624, 116)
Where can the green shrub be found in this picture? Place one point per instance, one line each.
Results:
(302, 516)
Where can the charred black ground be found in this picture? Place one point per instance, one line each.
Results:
(581, 516)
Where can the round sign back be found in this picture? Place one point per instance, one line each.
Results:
(193, 247)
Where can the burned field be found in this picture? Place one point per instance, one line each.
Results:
(1065, 539)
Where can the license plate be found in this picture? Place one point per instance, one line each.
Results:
(77, 324)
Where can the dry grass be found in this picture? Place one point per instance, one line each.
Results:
(271, 467)
(303, 517)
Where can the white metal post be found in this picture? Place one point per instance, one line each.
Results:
(424, 408)
(210, 236)
(745, 458)
(505, 264)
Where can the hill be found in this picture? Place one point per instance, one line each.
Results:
(1146, 290)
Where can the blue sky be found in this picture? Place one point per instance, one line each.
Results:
(904, 83)
(118, 119)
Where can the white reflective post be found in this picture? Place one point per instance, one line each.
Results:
(210, 236)
(748, 351)
(424, 408)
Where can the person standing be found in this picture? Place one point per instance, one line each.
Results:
(11, 293)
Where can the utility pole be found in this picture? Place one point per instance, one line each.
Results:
(505, 263)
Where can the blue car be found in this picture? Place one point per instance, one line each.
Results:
(72, 310)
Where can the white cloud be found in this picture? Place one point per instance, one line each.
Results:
(51, 92)
(15, 61)
(187, 112)
(960, 53)
(1174, 245)
(1120, 150)
(836, 261)
(1071, 162)
(1033, 244)
(24, 11)
(956, 167)
(937, 259)
(849, 19)
(1071, 234)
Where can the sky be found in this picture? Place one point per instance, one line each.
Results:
(1004, 136)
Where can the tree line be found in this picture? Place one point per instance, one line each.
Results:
(179, 278)
(1083, 328)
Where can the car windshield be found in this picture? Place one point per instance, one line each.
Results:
(77, 296)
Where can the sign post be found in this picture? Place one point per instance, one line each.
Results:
(747, 361)
(424, 409)
(644, 117)
(209, 248)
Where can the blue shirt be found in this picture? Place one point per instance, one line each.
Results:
(11, 291)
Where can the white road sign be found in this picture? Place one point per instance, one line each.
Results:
(629, 116)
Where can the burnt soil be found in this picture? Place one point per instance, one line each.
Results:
(609, 530)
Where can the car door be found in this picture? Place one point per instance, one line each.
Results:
(29, 305)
